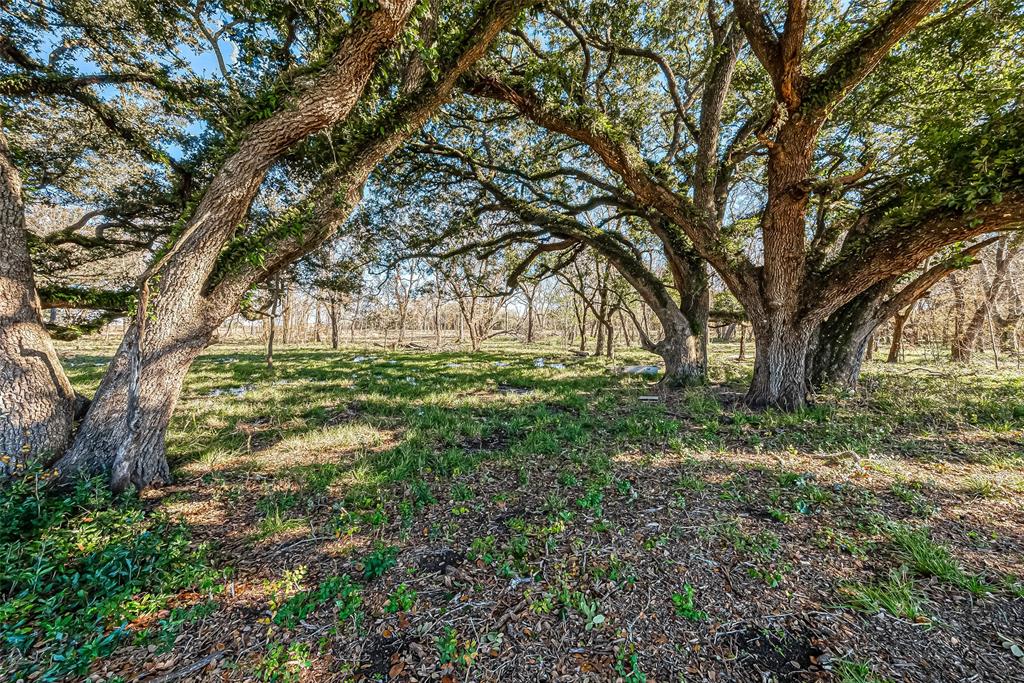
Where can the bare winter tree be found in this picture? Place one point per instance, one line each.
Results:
(994, 280)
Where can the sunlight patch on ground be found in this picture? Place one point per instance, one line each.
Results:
(557, 496)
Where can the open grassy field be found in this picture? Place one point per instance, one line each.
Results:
(370, 516)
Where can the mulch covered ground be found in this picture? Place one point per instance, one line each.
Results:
(511, 577)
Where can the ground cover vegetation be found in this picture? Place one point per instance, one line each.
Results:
(471, 515)
(511, 340)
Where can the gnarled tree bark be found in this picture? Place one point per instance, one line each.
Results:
(37, 402)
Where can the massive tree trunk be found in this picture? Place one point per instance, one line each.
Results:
(780, 364)
(36, 399)
(781, 336)
(105, 429)
(123, 432)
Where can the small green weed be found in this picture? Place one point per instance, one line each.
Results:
(451, 651)
(401, 599)
(379, 561)
(284, 664)
(632, 674)
(684, 605)
(299, 606)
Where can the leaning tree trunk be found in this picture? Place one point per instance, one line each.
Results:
(36, 399)
(124, 430)
(840, 343)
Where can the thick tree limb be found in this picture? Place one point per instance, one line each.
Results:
(895, 249)
(860, 57)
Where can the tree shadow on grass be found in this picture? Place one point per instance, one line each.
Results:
(767, 515)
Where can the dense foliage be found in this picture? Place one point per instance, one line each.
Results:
(78, 567)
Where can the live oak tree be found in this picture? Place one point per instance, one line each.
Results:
(340, 87)
(506, 184)
(62, 143)
(793, 141)
(537, 205)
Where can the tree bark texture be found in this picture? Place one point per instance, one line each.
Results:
(37, 402)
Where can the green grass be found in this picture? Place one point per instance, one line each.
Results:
(318, 400)
(849, 671)
(539, 478)
(929, 558)
(897, 594)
